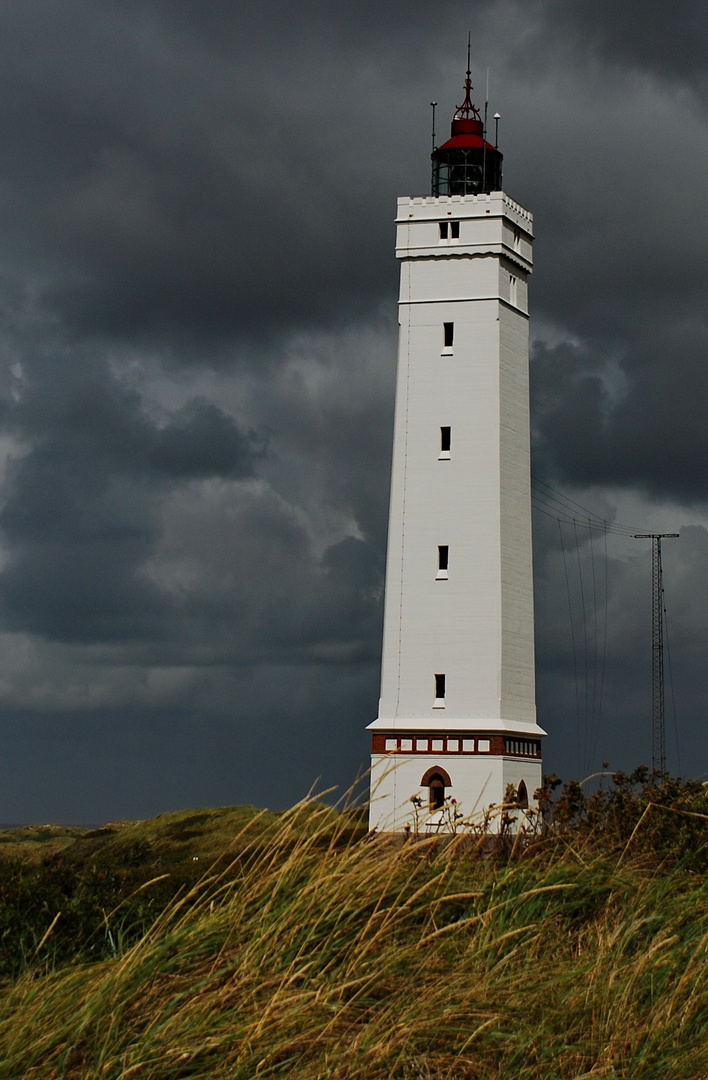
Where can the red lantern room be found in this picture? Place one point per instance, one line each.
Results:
(466, 164)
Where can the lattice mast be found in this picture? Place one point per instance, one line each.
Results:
(658, 719)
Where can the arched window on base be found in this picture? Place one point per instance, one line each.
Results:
(436, 780)
(522, 796)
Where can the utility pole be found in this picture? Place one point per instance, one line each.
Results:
(658, 727)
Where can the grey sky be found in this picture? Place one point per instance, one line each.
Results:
(197, 348)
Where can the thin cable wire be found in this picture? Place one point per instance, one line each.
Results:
(554, 504)
(604, 654)
(572, 641)
(594, 648)
(585, 651)
(555, 516)
(560, 496)
(405, 488)
(571, 506)
(671, 685)
(554, 512)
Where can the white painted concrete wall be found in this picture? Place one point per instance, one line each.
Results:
(477, 783)
(475, 626)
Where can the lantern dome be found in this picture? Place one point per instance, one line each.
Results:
(466, 164)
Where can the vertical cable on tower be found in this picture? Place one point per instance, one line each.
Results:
(433, 106)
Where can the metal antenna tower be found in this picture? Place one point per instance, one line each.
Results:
(658, 726)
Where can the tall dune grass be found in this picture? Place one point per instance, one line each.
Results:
(314, 955)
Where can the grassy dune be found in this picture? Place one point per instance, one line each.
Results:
(312, 953)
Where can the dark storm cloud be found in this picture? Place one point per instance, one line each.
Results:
(650, 33)
(80, 515)
(197, 342)
(336, 412)
(639, 421)
(261, 594)
(180, 189)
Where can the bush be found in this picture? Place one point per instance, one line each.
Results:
(659, 816)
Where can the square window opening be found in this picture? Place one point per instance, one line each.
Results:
(448, 334)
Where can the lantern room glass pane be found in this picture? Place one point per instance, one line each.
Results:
(466, 171)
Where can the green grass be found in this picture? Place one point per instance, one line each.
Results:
(176, 836)
(90, 886)
(311, 952)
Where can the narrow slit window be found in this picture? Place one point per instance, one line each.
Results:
(443, 555)
(454, 230)
(448, 334)
(439, 687)
(512, 289)
(445, 440)
(443, 230)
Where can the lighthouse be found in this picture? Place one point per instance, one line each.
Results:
(456, 728)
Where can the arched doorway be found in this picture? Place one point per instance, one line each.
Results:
(522, 796)
(436, 780)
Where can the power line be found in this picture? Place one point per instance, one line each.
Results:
(563, 503)
(604, 654)
(572, 640)
(550, 500)
(671, 689)
(598, 524)
(554, 504)
(594, 650)
(585, 644)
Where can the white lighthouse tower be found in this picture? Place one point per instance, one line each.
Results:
(457, 714)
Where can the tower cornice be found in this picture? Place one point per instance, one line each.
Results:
(499, 251)
(433, 207)
(480, 725)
